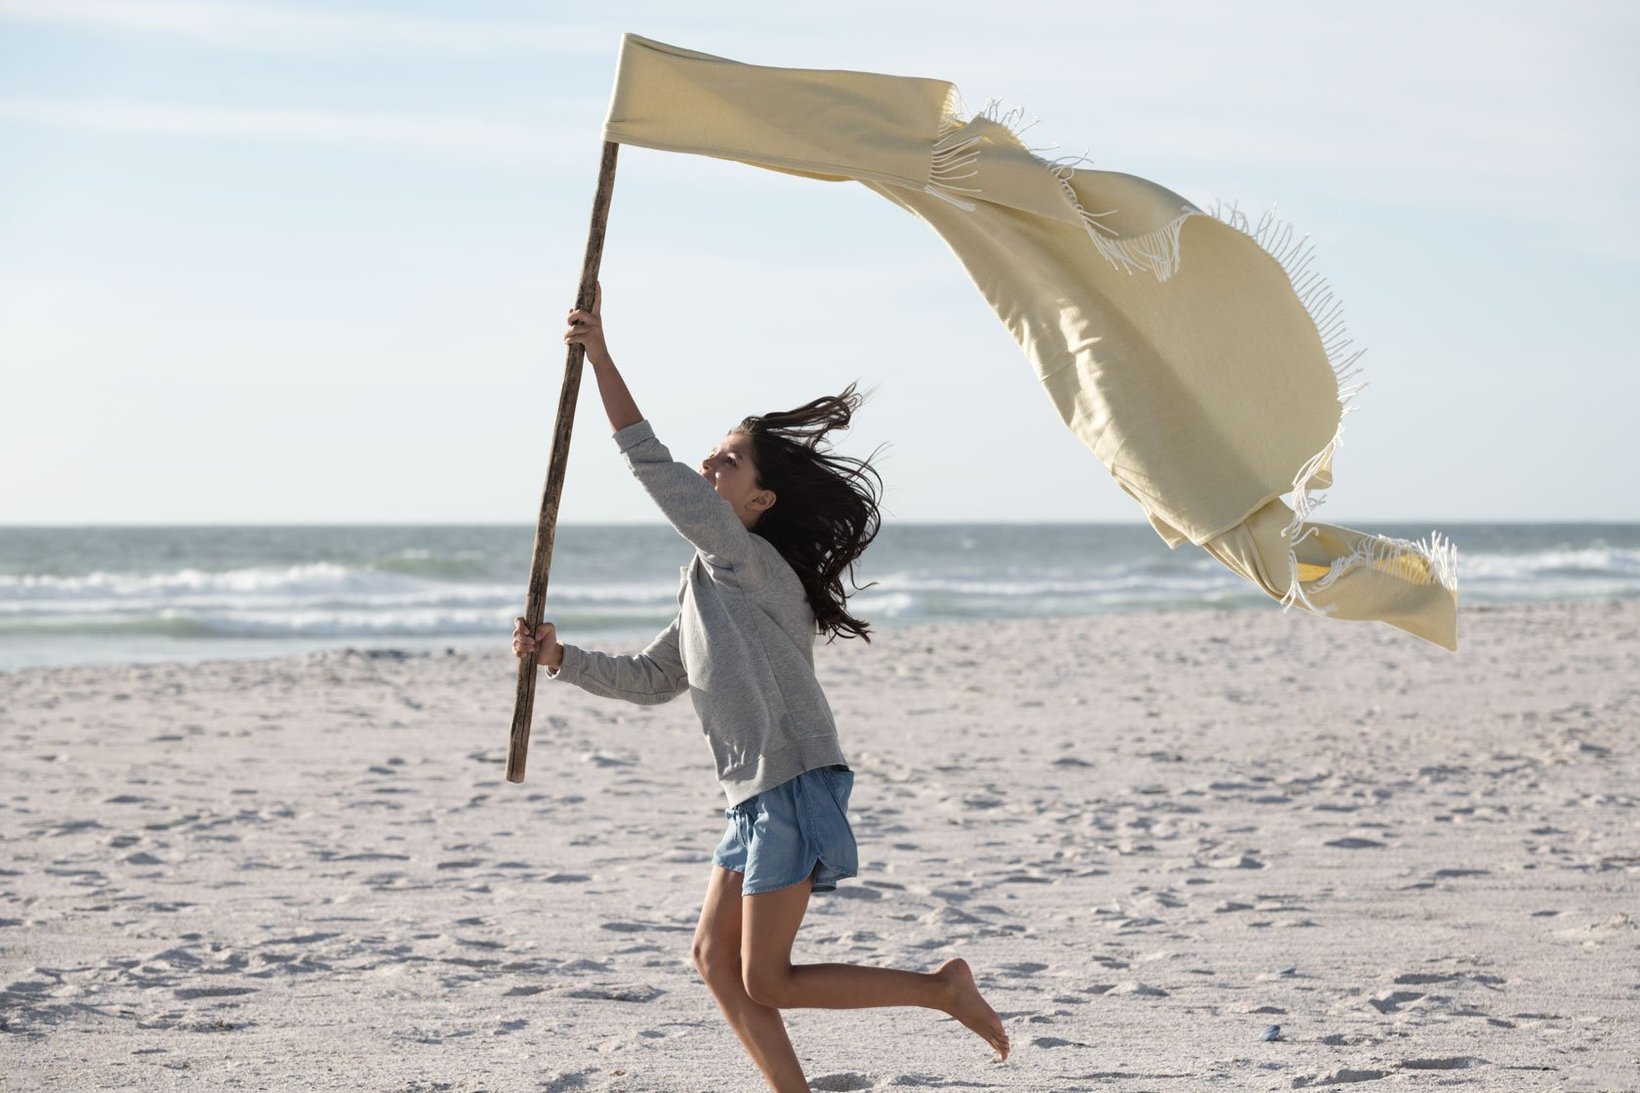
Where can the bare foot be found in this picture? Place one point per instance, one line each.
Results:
(967, 1005)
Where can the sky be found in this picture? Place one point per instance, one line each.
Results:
(308, 263)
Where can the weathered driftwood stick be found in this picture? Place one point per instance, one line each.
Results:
(518, 744)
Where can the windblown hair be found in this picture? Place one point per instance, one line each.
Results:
(825, 510)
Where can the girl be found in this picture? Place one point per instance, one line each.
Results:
(775, 522)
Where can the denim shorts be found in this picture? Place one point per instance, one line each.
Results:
(794, 832)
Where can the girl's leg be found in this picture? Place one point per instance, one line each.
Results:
(717, 958)
(771, 922)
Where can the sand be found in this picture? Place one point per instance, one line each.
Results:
(1153, 837)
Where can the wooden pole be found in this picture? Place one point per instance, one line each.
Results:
(518, 744)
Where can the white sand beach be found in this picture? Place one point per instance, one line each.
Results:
(1153, 837)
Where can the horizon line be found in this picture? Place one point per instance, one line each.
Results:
(1040, 522)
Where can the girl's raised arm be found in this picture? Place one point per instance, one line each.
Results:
(586, 328)
(687, 500)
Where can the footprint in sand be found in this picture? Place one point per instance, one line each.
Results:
(844, 1080)
(1455, 1062)
(617, 993)
(1138, 989)
(1341, 1076)
(1055, 1041)
(1393, 1001)
(189, 994)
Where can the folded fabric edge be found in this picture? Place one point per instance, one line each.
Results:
(1438, 553)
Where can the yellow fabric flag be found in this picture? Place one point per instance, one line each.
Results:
(1195, 355)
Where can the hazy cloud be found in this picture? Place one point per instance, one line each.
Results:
(447, 135)
(263, 28)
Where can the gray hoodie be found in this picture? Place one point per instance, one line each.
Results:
(742, 644)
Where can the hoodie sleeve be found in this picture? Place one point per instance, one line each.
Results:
(687, 500)
(654, 676)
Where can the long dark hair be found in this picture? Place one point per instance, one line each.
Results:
(825, 510)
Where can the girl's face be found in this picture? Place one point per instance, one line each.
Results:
(730, 470)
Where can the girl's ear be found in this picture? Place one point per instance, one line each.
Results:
(763, 501)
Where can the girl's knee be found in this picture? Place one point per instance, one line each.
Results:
(716, 964)
(767, 985)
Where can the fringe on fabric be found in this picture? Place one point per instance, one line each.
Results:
(1401, 558)
(953, 160)
(1159, 253)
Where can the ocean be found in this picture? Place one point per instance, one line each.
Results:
(102, 595)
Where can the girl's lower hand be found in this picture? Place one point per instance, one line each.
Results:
(546, 636)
